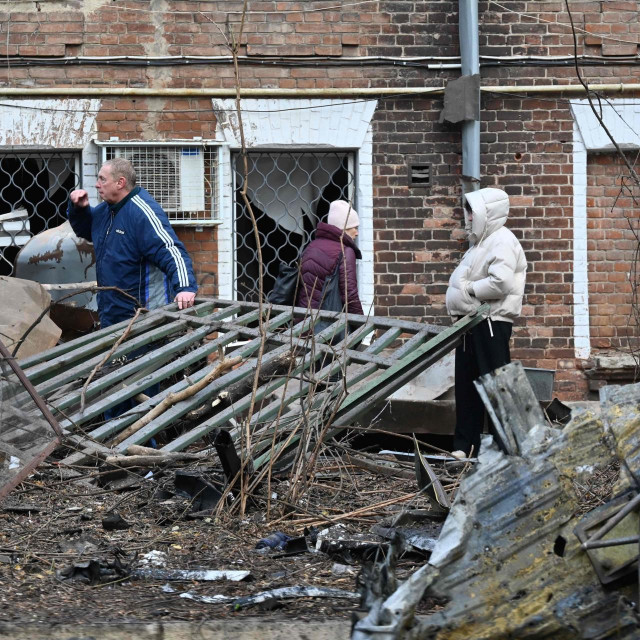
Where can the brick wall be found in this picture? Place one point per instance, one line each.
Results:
(286, 28)
(161, 119)
(413, 231)
(155, 118)
(613, 229)
(202, 246)
(528, 145)
(526, 139)
(539, 130)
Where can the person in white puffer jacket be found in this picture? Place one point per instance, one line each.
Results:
(493, 270)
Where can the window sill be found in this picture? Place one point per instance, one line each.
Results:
(195, 223)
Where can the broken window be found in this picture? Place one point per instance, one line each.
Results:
(182, 178)
(289, 193)
(33, 197)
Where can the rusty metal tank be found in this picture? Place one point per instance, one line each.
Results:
(58, 256)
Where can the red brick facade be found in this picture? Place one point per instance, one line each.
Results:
(613, 228)
(526, 137)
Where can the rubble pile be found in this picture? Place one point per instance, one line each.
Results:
(513, 558)
(236, 487)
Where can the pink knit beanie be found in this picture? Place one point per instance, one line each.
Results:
(342, 215)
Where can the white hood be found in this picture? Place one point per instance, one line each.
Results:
(490, 212)
(494, 268)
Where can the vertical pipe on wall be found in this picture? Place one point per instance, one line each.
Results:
(469, 53)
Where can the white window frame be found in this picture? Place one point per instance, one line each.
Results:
(622, 118)
(310, 124)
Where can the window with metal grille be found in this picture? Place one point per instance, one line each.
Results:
(183, 179)
(289, 193)
(34, 187)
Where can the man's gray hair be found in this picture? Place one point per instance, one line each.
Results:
(122, 168)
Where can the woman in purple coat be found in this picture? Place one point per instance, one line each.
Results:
(333, 239)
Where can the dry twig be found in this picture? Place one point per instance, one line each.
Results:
(174, 398)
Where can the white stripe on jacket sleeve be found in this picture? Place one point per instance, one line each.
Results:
(181, 267)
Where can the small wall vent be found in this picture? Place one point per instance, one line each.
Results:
(419, 174)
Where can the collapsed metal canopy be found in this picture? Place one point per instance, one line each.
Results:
(28, 431)
(304, 381)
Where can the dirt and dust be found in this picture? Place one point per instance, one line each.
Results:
(53, 525)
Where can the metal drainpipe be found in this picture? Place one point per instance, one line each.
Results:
(470, 58)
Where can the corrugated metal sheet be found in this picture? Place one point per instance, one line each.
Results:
(508, 560)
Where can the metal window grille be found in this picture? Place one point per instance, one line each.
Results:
(289, 193)
(34, 187)
(182, 179)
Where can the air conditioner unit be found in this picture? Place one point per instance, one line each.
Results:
(176, 176)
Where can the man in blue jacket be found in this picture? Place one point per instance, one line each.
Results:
(135, 247)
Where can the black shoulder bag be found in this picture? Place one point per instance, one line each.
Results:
(331, 299)
(284, 287)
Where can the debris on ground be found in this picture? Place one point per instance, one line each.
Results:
(276, 540)
(164, 544)
(239, 483)
(513, 558)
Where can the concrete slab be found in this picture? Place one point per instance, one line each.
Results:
(236, 629)
(424, 405)
(429, 384)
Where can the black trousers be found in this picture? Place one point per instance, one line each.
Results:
(480, 352)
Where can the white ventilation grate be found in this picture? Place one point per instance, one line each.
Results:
(182, 179)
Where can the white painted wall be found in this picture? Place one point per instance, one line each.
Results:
(581, 340)
(47, 124)
(91, 163)
(54, 125)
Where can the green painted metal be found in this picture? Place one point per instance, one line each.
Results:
(389, 337)
(437, 347)
(412, 358)
(138, 386)
(99, 339)
(84, 368)
(154, 359)
(68, 353)
(243, 405)
(188, 339)
(118, 424)
(238, 407)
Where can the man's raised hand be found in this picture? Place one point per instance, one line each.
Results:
(79, 198)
